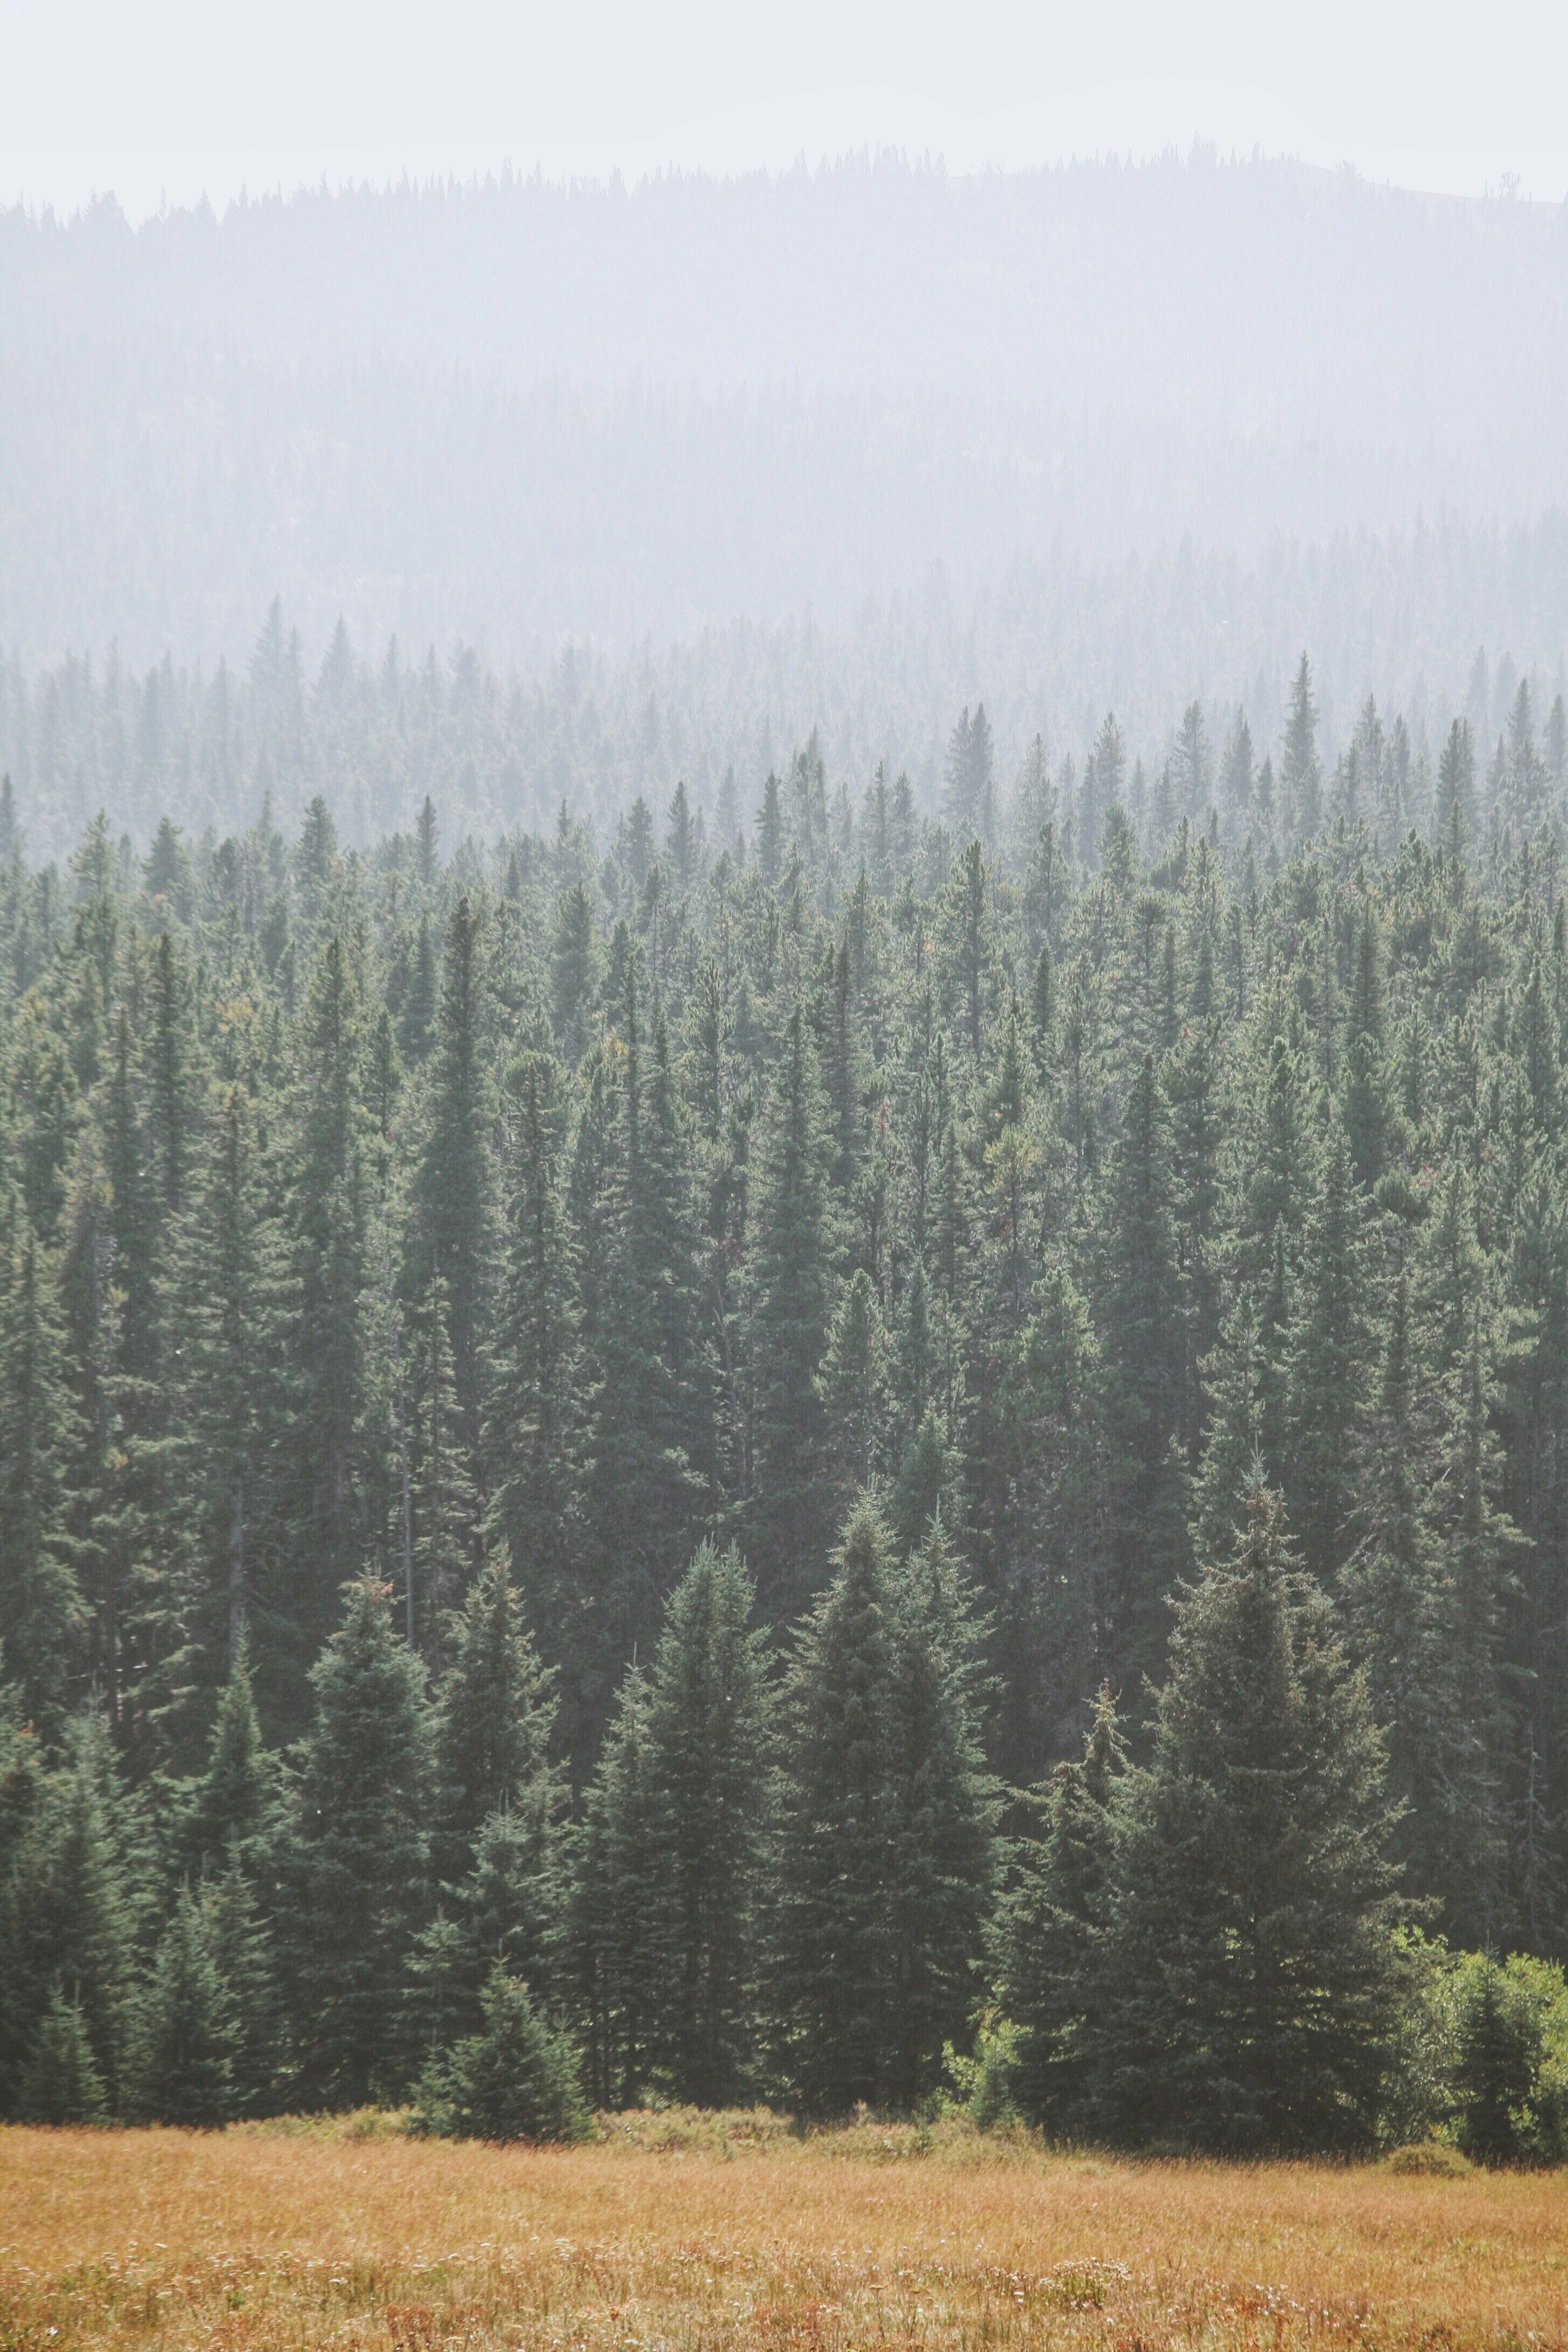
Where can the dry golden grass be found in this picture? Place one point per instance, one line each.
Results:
(737, 2238)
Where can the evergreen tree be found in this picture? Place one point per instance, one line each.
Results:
(1301, 771)
(886, 1829)
(183, 2064)
(69, 1915)
(357, 1871)
(531, 1427)
(61, 2082)
(1254, 1973)
(613, 1903)
(707, 1767)
(453, 1189)
(792, 1281)
(232, 1815)
(494, 1713)
(1050, 1936)
(328, 1212)
(40, 1606)
(1327, 1361)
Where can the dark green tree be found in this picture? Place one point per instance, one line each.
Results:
(1254, 1975)
(357, 1873)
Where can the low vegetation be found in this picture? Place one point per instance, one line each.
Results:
(729, 2231)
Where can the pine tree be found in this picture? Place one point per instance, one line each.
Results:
(182, 2064)
(943, 1806)
(453, 1186)
(1394, 1592)
(1254, 1974)
(531, 1431)
(1367, 1086)
(1232, 1452)
(1050, 1934)
(1140, 1323)
(41, 1611)
(242, 1946)
(495, 1709)
(770, 833)
(791, 1281)
(707, 1767)
(613, 1903)
(61, 2082)
(572, 971)
(69, 1915)
(1301, 771)
(852, 1382)
(329, 1211)
(361, 1848)
(229, 1286)
(1327, 1361)
(886, 1829)
(232, 1812)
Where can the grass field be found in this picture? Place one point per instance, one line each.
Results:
(677, 2236)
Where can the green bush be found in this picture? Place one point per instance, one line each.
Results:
(517, 2079)
(984, 2082)
(1482, 2058)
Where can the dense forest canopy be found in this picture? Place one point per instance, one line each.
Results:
(1047, 653)
(762, 1314)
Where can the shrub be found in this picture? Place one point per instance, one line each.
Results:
(517, 2079)
(1429, 2159)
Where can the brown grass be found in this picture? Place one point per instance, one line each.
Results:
(676, 2234)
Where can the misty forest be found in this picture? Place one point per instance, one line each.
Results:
(745, 1371)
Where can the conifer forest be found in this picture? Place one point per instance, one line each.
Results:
(833, 1445)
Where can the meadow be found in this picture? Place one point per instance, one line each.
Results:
(685, 2234)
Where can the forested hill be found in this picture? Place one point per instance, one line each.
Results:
(513, 413)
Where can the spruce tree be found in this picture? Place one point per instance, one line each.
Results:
(183, 2061)
(329, 1216)
(494, 1712)
(791, 1280)
(453, 1186)
(60, 2082)
(614, 1903)
(708, 1771)
(41, 1611)
(1300, 770)
(232, 1807)
(887, 1817)
(70, 1914)
(361, 1848)
(1326, 1350)
(531, 1431)
(1050, 1935)
(1253, 1979)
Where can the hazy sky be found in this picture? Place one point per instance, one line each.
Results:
(172, 99)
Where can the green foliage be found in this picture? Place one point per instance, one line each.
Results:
(887, 1852)
(1252, 1968)
(530, 1226)
(61, 2082)
(356, 1872)
(182, 2066)
(516, 2080)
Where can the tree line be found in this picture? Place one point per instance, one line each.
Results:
(610, 1413)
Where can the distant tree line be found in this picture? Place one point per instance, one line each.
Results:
(789, 1465)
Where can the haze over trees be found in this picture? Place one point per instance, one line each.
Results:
(783, 1236)
(588, 1409)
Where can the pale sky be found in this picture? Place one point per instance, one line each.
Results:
(168, 100)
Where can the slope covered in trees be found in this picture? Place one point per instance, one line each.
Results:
(598, 1406)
